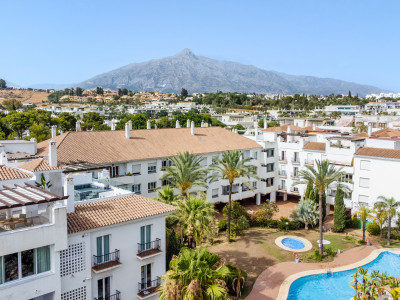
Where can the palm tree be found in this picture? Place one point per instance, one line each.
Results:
(363, 214)
(390, 205)
(196, 218)
(232, 166)
(186, 172)
(166, 194)
(323, 176)
(380, 217)
(306, 212)
(195, 274)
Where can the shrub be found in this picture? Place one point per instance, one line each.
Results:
(353, 222)
(315, 255)
(339, 214)
(237, 211)
(330, 251)
(394, 233)
(273, 223)
(233, 273)
(361, 242)
(222, 225)
(290, 226)
(259, 219)
(373, 229)
(241, 224)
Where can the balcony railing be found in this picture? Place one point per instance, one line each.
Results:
(309, 162)
(281, 188)
(282, 173)
(116, 296)
(294, 190)
(149, 248)
(282, 160)
(295, 161)
(106, 261)
(148, 287)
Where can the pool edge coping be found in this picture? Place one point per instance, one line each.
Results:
(285, 286)
(307, 244)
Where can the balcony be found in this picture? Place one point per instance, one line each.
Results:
(281, 188)
(148, 288)
(282, 173)
(295, 161)
(295, 176)
(309, 162)
(149, 249)
(282, 160)
(295, 191)
(106, 261)
(116, 296)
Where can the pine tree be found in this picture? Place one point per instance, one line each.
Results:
(339, 215)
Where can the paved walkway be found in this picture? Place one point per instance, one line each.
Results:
(268, 283)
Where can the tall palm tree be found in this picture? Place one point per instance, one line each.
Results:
(390, 205)
(186, 172)
(195, 274)
(322, 176)
(363, 214)
(196, 218)
(232, 167)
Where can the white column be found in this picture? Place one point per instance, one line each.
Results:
(272, 196)
(148, 124)
(127, 130)
(69, 191)
(192, 128)
(258, 198)
(52, 154)
(53, 131)
(187, 123)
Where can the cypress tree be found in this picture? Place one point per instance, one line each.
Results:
(308, 190)
(339, 215)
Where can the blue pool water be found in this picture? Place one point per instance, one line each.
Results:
(337, 285)
(293, 243)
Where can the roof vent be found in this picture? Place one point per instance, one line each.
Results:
(53, 131)
(148, 124)
(188, 123)
(192, 128)
(52, 154)
(177, 125)
(128, 125)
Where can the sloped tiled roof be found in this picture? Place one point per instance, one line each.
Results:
(113, 146)
(283, 128)
(314, 146)
(38, 165)
(9, 173)
(387, 132)
(361, 134)
(378, 152)
(114, 211)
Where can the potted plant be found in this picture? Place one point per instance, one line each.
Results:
(296, 257)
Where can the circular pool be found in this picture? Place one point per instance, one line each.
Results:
(293, 243)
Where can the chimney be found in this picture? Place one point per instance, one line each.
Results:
(127, 129)
(52, 154)
(113, 124)
(187, 123)
(155, 126)
(69, 191)
(202, 123)
(53, 131)
(3, 158)
(192, 128)
(369, 129)
(148, 124)
(78, 125)
(265, 123)
(177, 125)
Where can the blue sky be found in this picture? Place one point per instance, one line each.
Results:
(70, 41)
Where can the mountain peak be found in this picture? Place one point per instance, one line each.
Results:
(186, 52)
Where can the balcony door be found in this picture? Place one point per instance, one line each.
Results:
(103, 288)
(145, 237)
(103, 248)
(145, 276)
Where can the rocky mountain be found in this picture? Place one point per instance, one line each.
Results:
(202, 74)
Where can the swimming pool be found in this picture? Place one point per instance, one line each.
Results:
(293, 243)
(337, 285)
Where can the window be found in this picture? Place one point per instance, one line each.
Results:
(283, 155)
(151, 186)
(136, 169)
(283, 185)
(225, 190)
(270, 181)
(103, 288)
(23, 264)
(114, 171)
(165, 163)
(254, 184)
(165, 182)
(270, 152)
(295, 171)
(296, 157)
(365, 165)
(214, 159)
(246, 153)
(103, 248)
(152, 168)
(214, 193)
(245, 188)
(347, 178)
(364, 182)
(363, 199)
(145, 237)
(270, 167)
(255, 155)
(136, 188)
(145, 277)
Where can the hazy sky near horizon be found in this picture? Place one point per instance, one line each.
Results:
(71, 41)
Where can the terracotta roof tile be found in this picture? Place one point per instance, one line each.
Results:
(114, 211)
(283, 128)
(378, 152)
(37, 165)
(113, 146)
(315, 146)
(387, 132)
(9, 173)
(361, 134)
